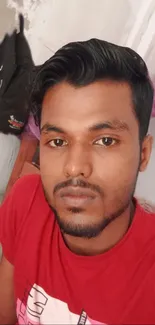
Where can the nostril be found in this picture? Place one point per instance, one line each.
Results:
(67, 174)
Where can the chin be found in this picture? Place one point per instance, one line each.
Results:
(80, 231)
(79, 224)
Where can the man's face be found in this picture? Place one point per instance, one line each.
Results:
(89, 154)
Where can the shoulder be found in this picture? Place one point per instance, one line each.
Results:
(19, 210)
(25, 194)
(144, 225)
(26, 183)
(24, 190)
(144, 214)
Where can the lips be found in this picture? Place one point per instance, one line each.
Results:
(76, 196)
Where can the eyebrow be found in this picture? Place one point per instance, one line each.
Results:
(51, 128)
(116, 125)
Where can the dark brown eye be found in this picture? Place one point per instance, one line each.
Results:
(106, 141)
(57, 143)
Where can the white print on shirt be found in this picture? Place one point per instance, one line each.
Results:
(43, 309)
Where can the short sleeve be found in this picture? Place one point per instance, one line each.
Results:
(13, 211)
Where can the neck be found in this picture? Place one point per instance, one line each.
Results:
(107, 239)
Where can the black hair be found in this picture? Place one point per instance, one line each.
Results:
(82, 63)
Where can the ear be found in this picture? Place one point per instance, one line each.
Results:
(146, 152)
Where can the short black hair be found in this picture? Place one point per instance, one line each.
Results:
(82, 63)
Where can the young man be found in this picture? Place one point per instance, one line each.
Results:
(78, 249)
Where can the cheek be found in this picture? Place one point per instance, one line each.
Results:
(118, 168)
(50, 167)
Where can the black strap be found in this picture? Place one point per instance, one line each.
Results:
(21, 23)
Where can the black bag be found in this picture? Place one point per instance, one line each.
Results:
(16, 70)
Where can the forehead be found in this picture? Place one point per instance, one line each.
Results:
(69, 106)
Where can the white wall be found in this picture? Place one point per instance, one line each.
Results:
(136, 4)
(52, 23)
(146, 181)
(152, 130)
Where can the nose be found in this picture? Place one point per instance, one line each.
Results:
(78, 162)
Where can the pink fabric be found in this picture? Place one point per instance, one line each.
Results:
(153, 109)
(32, 128)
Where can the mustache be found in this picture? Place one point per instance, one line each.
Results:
(79, 183)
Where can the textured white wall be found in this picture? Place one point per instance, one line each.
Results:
(52, 23)
(136, 4)
(146, 181)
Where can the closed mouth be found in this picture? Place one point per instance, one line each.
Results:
(76, 196)
(77, 192)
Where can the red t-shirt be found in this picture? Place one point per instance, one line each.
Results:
(55, 286)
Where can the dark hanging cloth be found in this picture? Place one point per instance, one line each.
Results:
(16, 70)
